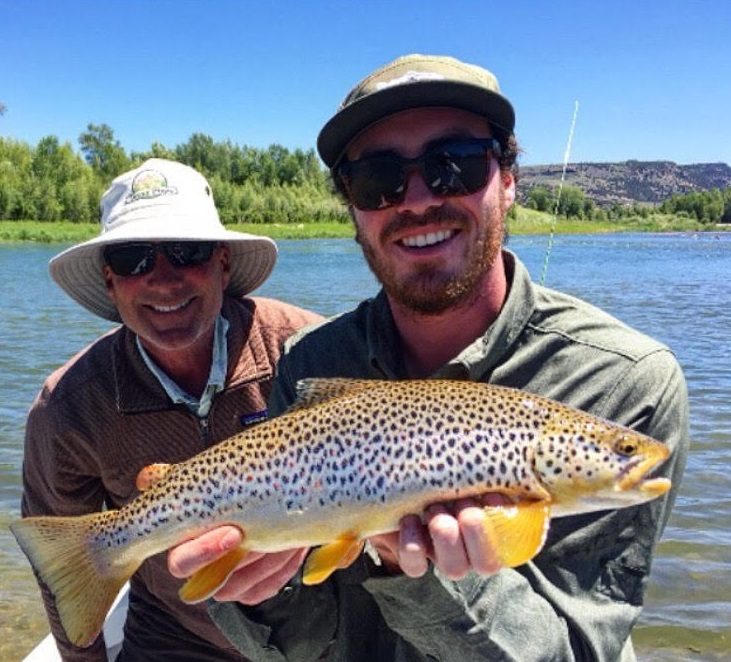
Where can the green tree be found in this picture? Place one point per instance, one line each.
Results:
(157, 151)
(102, 152)
(706, 207)
(198, 153)
(571, 204)
(726, 216)
(55, 161)
(540, 198)
(16, 159)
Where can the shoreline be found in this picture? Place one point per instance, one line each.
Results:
(525, 222)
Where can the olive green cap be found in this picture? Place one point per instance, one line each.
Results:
(414, 81)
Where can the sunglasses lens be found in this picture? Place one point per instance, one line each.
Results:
(188, 253)
(130, 259)
(456, 169)
(374, 182)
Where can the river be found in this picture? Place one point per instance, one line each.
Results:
(673, 287)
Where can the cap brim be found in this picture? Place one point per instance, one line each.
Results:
(78, 270)
(350, 121)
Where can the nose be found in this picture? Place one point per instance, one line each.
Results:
(162, 269)
(418, 195)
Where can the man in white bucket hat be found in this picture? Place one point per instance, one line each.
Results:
(191, 364)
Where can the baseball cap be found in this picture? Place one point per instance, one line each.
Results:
(414, 81)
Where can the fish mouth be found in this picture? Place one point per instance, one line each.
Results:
(634, 476)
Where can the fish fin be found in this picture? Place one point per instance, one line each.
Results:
(151, 475)
(315, 390)
(518, 531)
(325, 560)
(202, 584)
(84, 580)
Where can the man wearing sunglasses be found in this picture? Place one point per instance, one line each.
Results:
(191, 364)
(424, 153)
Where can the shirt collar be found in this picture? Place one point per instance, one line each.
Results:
(216, 377)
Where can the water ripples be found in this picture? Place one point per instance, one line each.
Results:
(673, 287)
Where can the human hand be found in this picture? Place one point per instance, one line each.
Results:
(453, 538)
(257, 577)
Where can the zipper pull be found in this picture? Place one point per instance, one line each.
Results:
(203, 426)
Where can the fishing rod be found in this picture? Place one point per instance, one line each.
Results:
(558, 195)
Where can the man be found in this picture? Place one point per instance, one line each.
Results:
(191, 365)
(424, 152)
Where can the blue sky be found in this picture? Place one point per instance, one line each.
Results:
(652, 77)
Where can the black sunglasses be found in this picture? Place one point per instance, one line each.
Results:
(450, 168)
(134, 259)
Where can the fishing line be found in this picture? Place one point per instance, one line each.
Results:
(558, 195)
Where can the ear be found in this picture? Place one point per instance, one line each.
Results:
(508, 183)
(109, 282)
(225, 259)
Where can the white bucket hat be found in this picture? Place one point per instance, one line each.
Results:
(159, 201)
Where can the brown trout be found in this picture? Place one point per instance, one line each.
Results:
(348, 461)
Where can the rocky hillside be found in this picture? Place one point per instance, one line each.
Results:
(648, 182)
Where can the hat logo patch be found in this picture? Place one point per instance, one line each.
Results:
(150, 184)
(410, 77)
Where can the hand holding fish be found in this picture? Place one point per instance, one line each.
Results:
(453, 538)
(258, 576)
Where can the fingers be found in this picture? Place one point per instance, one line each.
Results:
(413, 547)
(450, 554)
(261, 577)
(187, 558)
(453, 537)
(460, 541)
(258, 576)
(478, 547)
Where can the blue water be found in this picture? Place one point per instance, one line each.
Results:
(673, 287)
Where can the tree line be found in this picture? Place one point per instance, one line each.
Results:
(706, 207)
(52, 182)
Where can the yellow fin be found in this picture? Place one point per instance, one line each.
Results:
(315, 390)
(204, 583)
(151, 475)
(325, 560)
(518, 531)
(84, 581)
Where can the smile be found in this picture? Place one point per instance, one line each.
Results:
(430, 239)
(171, 309)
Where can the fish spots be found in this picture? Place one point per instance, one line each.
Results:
(378, 445)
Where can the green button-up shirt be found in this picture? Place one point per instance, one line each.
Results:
(581, 596)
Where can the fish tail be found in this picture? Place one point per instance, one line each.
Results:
(83, 579)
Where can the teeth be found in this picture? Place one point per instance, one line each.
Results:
(170, 309)
(421, 240)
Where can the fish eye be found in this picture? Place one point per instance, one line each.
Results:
(625, 445)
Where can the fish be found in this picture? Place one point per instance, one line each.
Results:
(348, 460)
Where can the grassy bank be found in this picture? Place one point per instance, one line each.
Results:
(63, 232)
(526, 222)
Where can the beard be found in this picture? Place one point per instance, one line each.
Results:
(431, 290)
